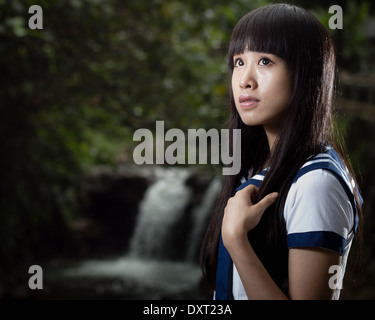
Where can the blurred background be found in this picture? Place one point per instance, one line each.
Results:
(73, 201)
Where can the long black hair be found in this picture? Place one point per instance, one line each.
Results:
(296, 36)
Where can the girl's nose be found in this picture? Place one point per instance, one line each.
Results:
(248, 79)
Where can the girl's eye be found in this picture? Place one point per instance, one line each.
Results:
(264, 61)
(238, 62)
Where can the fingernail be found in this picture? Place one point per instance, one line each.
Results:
(274, 195)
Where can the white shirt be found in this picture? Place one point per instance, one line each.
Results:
(316, 205)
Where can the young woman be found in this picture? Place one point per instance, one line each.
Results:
(284, 225)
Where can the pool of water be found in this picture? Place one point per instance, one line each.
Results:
(123, 278)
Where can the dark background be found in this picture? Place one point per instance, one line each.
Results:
(72, 95)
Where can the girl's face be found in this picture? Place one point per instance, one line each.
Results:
(262, 88)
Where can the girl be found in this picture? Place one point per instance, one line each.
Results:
(284, 225)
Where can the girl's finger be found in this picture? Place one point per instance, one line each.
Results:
(263, 204)
(249, 192)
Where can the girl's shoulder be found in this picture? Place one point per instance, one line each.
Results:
(320, 202)
(318, 187)
(323, 177)
(326, 172)
(328, 160)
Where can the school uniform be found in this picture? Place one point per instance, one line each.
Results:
(320, 211)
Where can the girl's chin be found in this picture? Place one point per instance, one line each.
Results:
(250, 122)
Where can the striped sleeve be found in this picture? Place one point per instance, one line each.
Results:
(318, 212)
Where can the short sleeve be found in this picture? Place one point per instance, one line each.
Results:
(318, 212)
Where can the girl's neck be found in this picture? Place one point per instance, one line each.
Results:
(271, 137)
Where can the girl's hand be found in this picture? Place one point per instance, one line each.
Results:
(241, 215)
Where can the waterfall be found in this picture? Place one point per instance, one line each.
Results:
(166, 224)
(162, 227)
(160, 216)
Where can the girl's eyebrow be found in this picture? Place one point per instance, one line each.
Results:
(271, 56)
(266, 54)
(256, 52)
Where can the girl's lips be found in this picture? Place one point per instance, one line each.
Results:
(247, 101)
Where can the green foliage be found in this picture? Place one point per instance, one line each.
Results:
(46, 79)
(173, 63)
(353, 51)
(73, 93)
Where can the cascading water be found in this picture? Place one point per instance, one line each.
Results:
(161, 215)
(150, 270)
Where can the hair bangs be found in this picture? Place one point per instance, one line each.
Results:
(261, 31)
